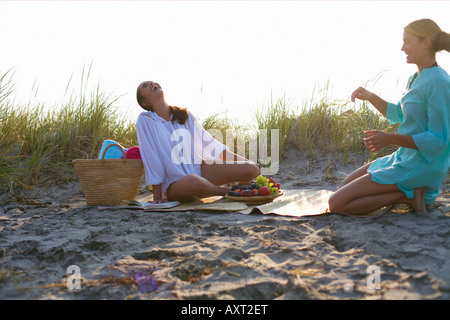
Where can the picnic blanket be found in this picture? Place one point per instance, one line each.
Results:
(294, 203)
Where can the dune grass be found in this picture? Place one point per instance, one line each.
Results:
(38, 143)
(335, 126)
(278, 115)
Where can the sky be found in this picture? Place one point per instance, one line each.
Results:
(210, 56)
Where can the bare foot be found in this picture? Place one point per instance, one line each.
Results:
(418, 202)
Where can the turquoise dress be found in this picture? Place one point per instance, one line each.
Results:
(424, 114)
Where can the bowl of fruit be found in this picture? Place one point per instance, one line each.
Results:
(260, 190)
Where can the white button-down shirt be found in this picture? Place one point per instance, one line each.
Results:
(170, 150)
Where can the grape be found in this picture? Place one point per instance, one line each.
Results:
(261, 181)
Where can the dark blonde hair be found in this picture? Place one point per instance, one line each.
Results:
(427, 28)
(178, 114)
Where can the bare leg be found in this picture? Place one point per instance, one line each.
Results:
(362, 195)
(208, 184)
(191, 186)
(222, 173)
(358, 173)
(419, 199)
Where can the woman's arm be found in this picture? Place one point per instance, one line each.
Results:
(147, 131)
(157, 194)
(376, 101)
(379, 139)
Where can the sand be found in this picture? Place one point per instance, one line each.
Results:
(203, 255)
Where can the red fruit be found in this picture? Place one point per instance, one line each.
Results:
(255, 192)
(264, 191)
(247, 193)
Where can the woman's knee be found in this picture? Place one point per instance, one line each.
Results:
(334, 203)
(190, 182)
(186, 188)
(253, 170)
(220, 174)
(193, 181)
(248, 173)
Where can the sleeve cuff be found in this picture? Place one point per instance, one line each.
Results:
(394, 113)
(429, 146)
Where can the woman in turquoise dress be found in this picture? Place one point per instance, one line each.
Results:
(414, 173)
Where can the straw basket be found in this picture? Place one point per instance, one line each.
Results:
(109, 181)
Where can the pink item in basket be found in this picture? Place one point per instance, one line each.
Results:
(133, 153)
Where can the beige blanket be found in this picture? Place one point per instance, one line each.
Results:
(294, 203)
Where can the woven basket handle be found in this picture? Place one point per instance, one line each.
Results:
(111, 145)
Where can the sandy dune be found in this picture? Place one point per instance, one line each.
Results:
(200, 255)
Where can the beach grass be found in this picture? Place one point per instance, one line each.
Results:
(38, 142)
(279, 115)
(336, 127)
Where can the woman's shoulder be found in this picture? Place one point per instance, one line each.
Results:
(432, 80)
(191, 117)
(190, 114)
(145, 117)
(145, 114)
(436, 82)
(437, 75)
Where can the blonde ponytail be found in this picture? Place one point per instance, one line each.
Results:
(427, 28)
(443, 41)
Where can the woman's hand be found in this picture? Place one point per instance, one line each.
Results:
(159, 201)
(377, 140)
(362, 94)
(157, 194)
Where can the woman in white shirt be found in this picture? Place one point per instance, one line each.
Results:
(181, 159)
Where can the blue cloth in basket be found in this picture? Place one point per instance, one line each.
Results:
(112, 153)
